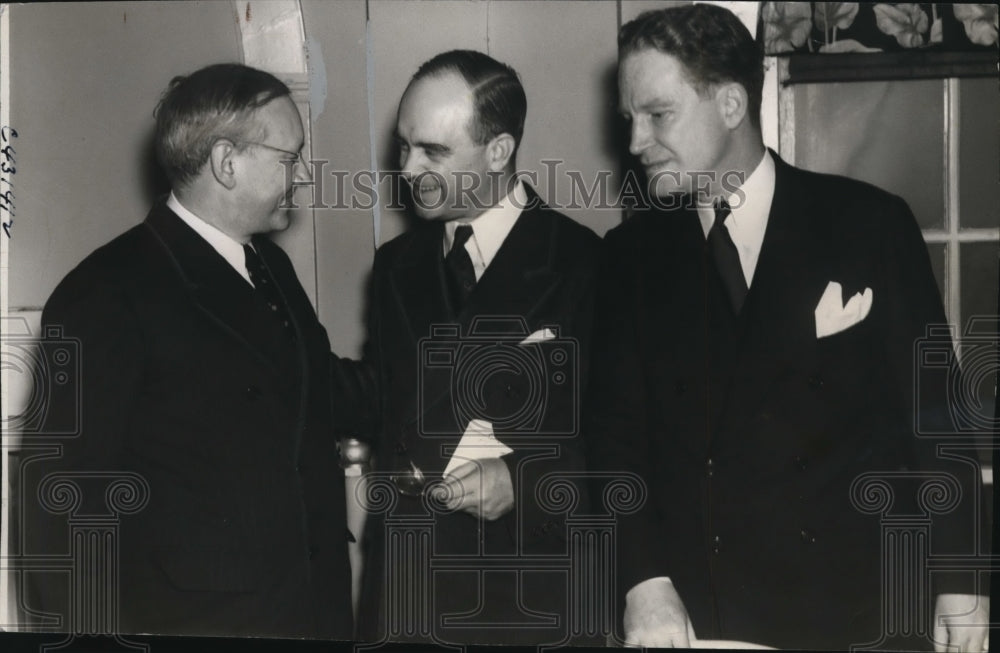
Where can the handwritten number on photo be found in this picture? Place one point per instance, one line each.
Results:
(8, 168)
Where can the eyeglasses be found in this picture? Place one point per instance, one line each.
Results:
(296, 157)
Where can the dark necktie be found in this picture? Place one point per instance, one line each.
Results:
(461, 274)
(727, 259)
(266, 289)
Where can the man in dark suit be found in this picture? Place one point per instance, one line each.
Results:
(754, 357)
(205, 379)
(479, 331)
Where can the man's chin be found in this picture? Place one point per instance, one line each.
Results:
(429, 211)
(431, 214)
(663, 184)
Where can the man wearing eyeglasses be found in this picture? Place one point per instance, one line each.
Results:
(204, 374)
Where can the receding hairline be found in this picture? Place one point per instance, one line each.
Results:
(442, 75)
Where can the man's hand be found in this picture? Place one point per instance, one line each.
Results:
(482, 488)
(961, 622)
(655, 616)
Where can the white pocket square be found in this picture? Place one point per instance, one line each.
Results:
(539, 336)
(833, 316)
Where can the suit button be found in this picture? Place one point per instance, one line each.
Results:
(815, 381)
(807, 536)
(715, 544)
(801, 463)
(681, 386)
(252, 392)
(709, 469)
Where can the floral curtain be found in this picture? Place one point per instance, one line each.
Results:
(881, 40)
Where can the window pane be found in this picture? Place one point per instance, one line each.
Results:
(872, 131)
(979, 266)
(979, 143)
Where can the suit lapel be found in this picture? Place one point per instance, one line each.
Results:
(677, 311)
(301, 315)
(225, 297)
(419, 283)
(521, 276)
(516, 284)
(791, 272)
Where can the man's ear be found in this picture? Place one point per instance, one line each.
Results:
(500, 151)
(733, 103)
(221, 160)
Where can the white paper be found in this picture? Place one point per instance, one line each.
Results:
(477, 443)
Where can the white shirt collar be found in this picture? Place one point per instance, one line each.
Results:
(750, 206)
(225, 245)
(489, 229)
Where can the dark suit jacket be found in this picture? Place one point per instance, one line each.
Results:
(436, 370)
(750, 431)
(187, 382)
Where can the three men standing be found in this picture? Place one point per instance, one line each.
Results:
(755, 359)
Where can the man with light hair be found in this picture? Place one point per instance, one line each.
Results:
(756, 359)
(206, 373)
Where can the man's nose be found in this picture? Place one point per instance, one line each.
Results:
(303, 171)
(639, 138)
(411, 164)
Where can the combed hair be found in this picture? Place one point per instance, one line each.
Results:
(499, 103)
(215, 102)
(710, 41)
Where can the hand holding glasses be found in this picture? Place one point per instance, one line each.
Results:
(410, 483)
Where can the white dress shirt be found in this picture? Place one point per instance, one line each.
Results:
(489, 229)
(749, 207)
(227, 247)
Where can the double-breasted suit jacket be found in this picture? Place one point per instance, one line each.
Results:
(749, 430)
(189, 383)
